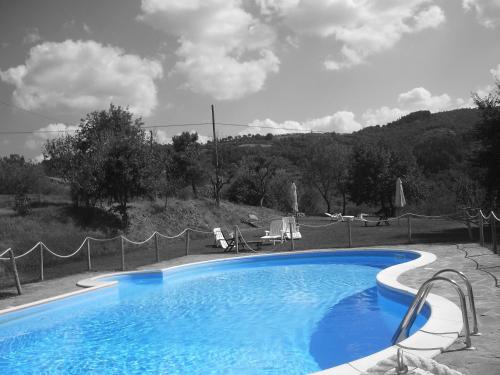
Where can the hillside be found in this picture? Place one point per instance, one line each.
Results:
(63, 228)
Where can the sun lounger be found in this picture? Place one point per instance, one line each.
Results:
(334, 217)
(221, 241)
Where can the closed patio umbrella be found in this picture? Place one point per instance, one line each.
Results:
(295, 203)
(399, 199)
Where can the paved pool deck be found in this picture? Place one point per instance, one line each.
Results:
(480, 265)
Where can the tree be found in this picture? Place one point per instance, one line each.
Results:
(186, 160)
(20, 178)
(255, 174)
(374, 172)
(105, 160)
(487, 132)
(326, 169)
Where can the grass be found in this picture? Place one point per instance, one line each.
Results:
(63, 229)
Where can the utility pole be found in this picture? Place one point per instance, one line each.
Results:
(217, 182)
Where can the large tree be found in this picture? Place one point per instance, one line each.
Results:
(326, 169)
(488, 133)
(375, 169)
(105, 160)
(186, 160)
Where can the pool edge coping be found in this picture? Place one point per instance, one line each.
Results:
(427, 342)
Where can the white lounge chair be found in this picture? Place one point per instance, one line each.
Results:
(221, 241)
(276, 232)
(334, 217)
(290, 222)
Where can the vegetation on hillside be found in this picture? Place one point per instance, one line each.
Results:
(446, 161)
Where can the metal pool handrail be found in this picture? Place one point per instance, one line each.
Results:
(470, 295)
(404, 327)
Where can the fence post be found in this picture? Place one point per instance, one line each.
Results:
(89, 263)
(187, 241)
(349, 232)
(236, 239)
(157, 251)
(493, 232)
(469, 229)
(41, 261)
(409, 228)
(481, 229)
(292, 243)
(14, 270)
(123, 253)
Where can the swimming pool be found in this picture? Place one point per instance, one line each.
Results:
(276, 314)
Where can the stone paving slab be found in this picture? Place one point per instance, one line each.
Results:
(485, 360)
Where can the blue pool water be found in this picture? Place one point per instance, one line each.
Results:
(284, 314)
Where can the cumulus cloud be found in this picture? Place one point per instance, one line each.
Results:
(50, 131)
(487, 11)
(363, 28)
(223, 51)
(495, 72)
(32, 36)
(84, 76)
(339, 122)
(416, 99)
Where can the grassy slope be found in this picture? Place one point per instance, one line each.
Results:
(62, 228)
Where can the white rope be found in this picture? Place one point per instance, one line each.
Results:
(484, 217)
(495, 216)
(29, 251)
(5, 252)
(104, 239)
(243, 238)
(320, 226)
(171, 237)
(139, 242)
(64, 256)
(426, 364)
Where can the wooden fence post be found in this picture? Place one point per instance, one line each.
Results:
(349, 232)
(493, 225)
(409, 228)
(14, 270)
(469, 229)
(89, 263)
(123, 253)
(481, 229)
(187, 241)
(236, 239)
(157, 251)
(41, 261)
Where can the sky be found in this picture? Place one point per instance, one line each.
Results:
(270, 66)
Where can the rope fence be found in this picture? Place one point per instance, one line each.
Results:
(241, 236)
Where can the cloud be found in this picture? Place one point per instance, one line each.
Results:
(495, 72)
(362, 28)
(86, 28)
(339, 122)
(487, 11)
(84, 76)
(50, 131)
(32, 36)
(223, 51)
(416, 99)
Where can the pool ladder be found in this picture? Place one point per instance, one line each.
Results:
(419, 300)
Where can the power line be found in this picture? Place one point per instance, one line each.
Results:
(171, 126)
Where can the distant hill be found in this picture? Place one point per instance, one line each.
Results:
(412, 128)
